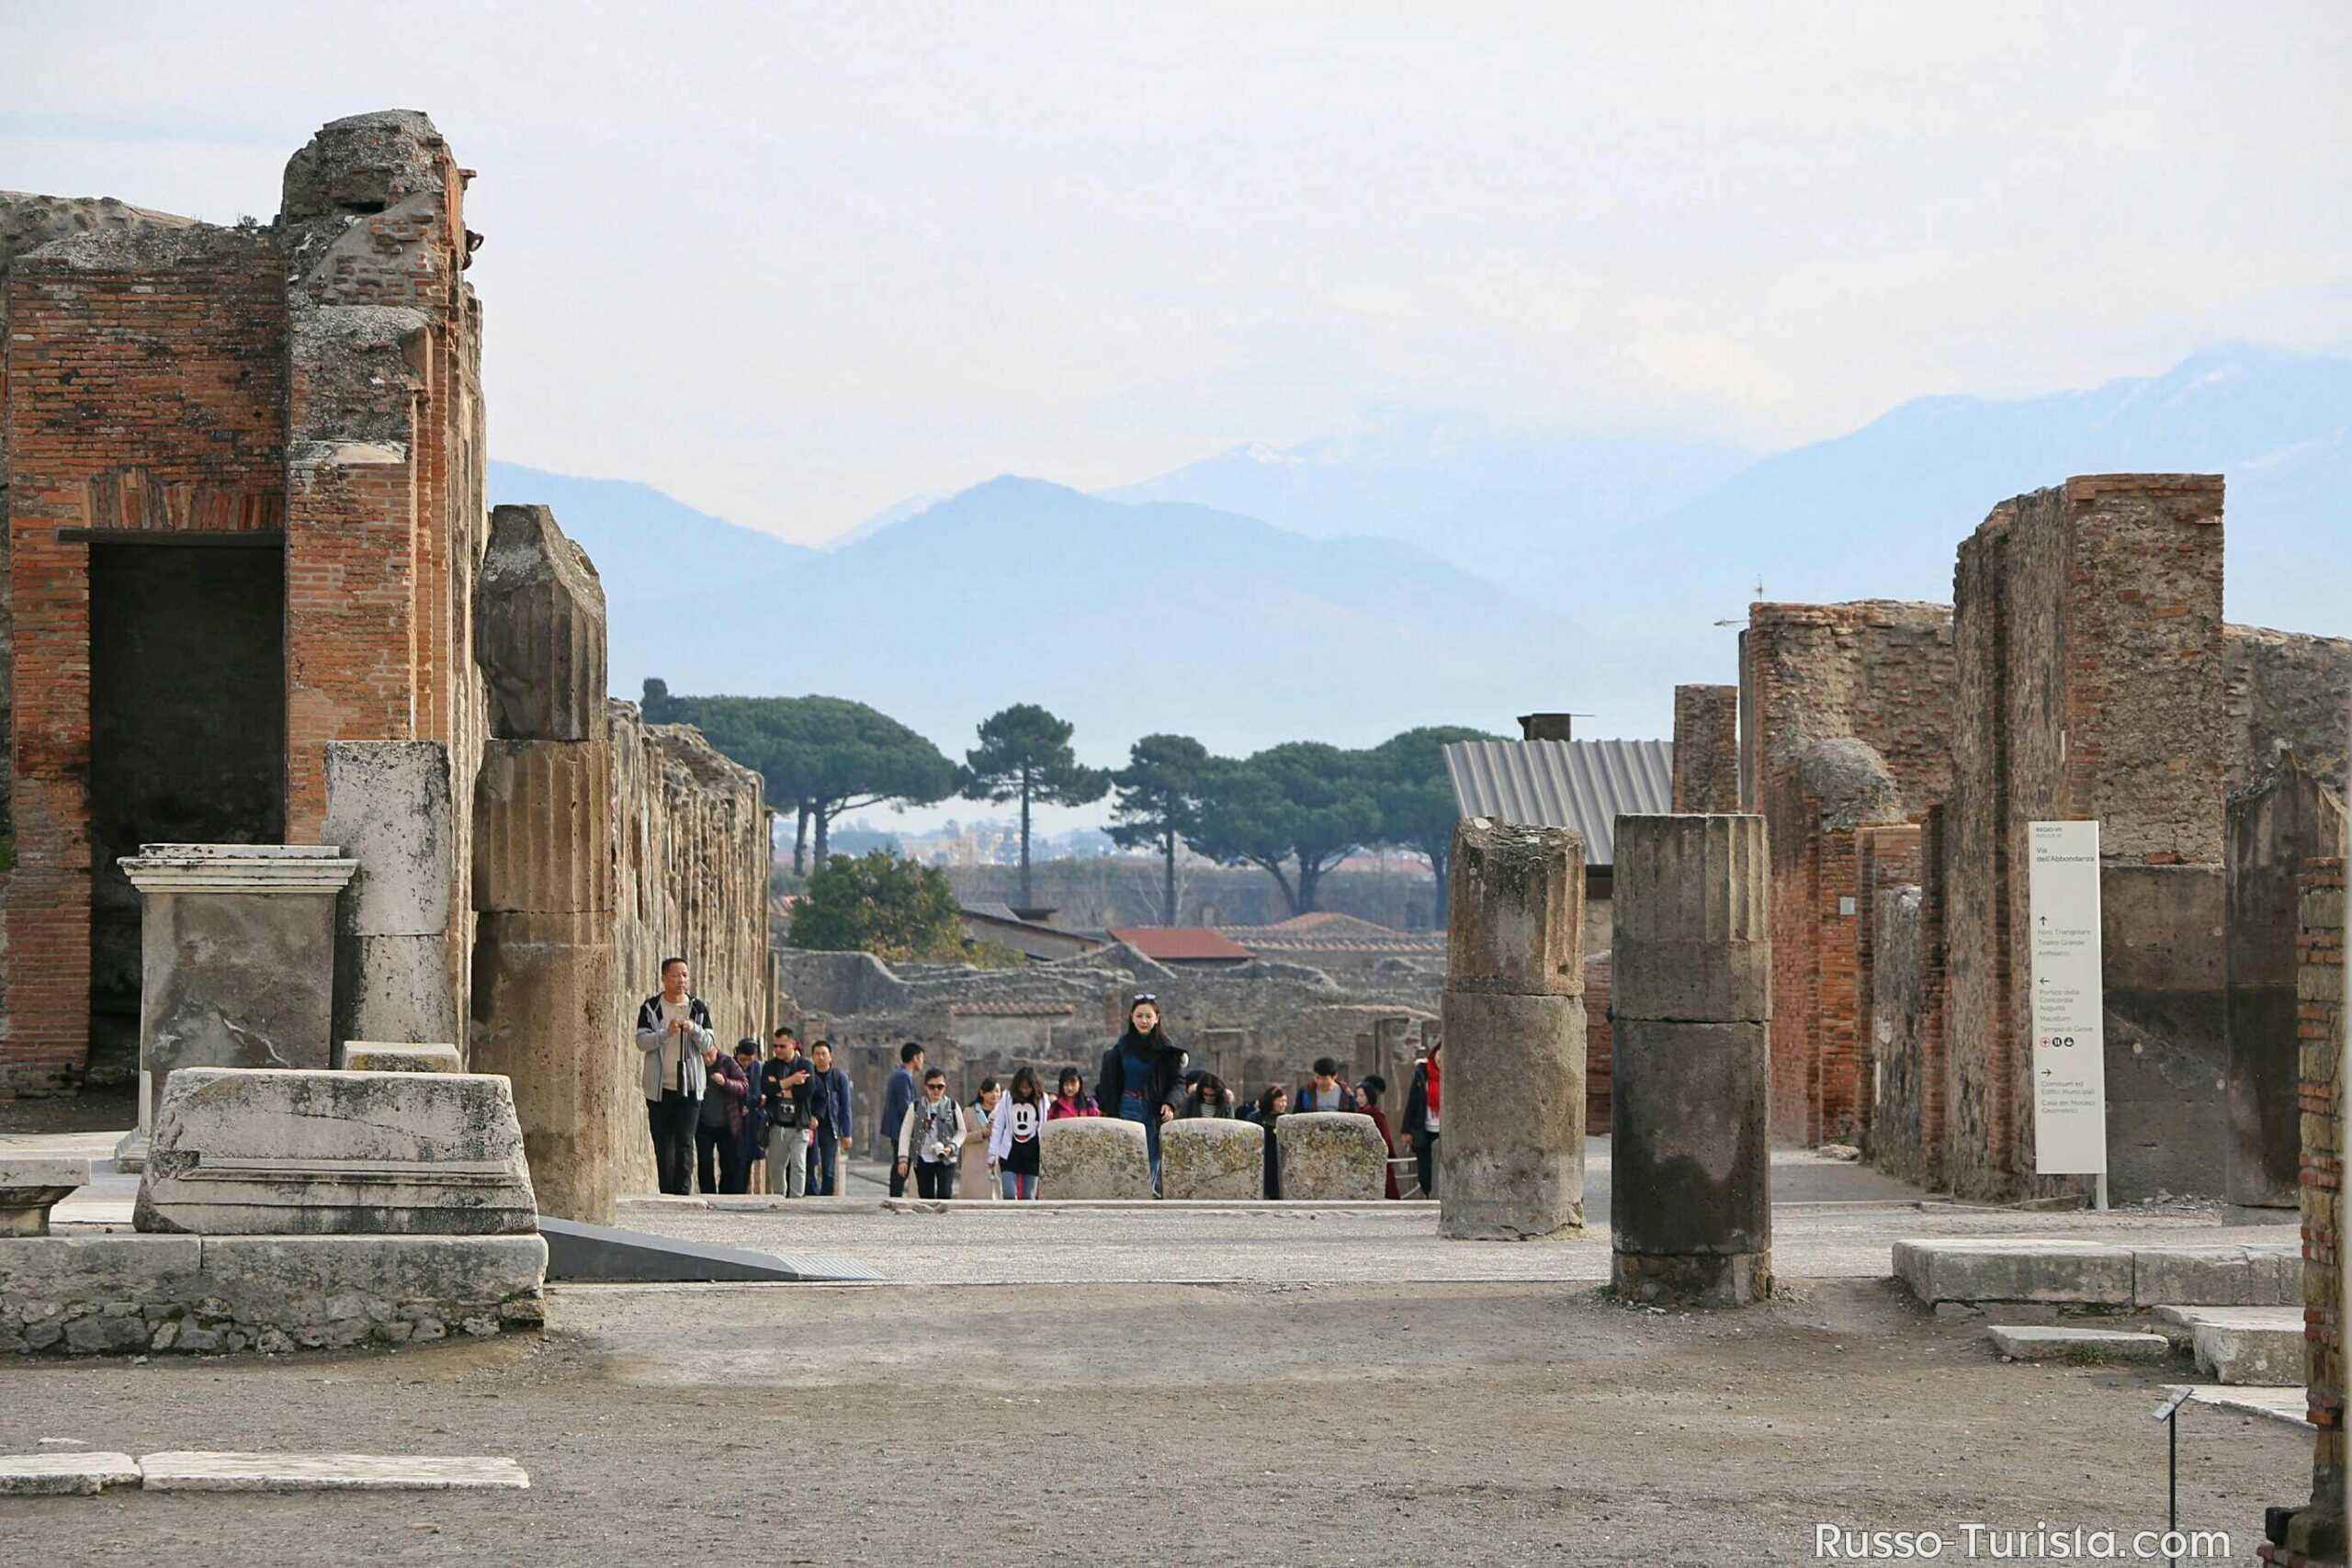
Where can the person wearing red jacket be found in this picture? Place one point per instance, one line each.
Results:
(1368, 1095)
(1071, 1098)
(1421, 1116)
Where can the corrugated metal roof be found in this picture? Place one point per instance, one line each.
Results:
(1584, 784)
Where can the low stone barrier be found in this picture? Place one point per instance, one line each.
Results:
(95, 1294)
(1331, 1156)
(2098, 1273)
(244, 1151)
(381, 1057)
(1209, 1158)
(1093, 1157)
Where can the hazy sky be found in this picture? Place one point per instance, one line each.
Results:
(792, 263)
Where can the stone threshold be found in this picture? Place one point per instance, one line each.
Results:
(86, 1475)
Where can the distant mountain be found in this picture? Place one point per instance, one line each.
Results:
(1507, 505)
(642, 540)
(883, 519)
(1878, 513)
(1125, 619)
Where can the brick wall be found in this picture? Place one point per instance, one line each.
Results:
(145, 390)
(1706, 748)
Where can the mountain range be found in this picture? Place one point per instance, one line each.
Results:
(1424, 568)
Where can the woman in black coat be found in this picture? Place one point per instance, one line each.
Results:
(1271, 1107)
(1142, 1076)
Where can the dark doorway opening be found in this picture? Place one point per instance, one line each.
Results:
(187, 735)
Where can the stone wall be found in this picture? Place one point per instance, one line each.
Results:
(1706, 748)
(2320, 1026)
(1906, 990)
(1886, 859)
(691, 881)
(2286, 688)
(1600, 1040)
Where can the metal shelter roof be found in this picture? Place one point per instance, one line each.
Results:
(1583, 784)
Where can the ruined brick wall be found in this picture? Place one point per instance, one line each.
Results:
(145, 390)
(2320, 1027)
(1886, 858)
(1894, 1142)
(690, 879)
(2286, 688)
(2088, 638)
(1877, 669)
(1599, 1043)
(1706, 748)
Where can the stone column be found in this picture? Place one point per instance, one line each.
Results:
(396, 972)
(543, 872)
(1691, 1148)
(1512, 1143)
(237, 961)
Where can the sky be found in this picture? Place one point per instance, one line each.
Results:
(792, 263)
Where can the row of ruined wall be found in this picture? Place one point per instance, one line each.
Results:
(1899, 751)
(1252, 1024)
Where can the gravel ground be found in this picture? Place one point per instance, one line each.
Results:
(1357, 1423)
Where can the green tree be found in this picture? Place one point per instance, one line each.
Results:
(821, 756)
(1293, 811)
(1414, 796)
(1158, 801)
(1024, 755)
(880, 904)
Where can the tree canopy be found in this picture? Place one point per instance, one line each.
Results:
(1159, 802)
(1024, 754)
(1414, 795)
(820, 756)
(1293, 811)
(880, 904)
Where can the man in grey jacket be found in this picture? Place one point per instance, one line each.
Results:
(674, 1031)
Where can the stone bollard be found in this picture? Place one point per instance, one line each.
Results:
(1208, 1159)
(1690, 1147)
(1331, 1156)
(1510, 1156)
(1093, 1157)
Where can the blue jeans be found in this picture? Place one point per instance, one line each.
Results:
(824, 1164)
(1150, 1120)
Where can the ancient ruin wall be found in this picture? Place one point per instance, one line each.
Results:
(1974, 866)
(691, 880)
(2286, 688)
(1706, 748)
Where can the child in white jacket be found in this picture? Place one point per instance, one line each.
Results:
(932, 1138)
(1012, 1135)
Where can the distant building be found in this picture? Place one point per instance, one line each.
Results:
(1183, 947)
(1034, 938)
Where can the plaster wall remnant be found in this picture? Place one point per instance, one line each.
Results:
(1706, 748)
(1690, 1145)
(1511, 1161)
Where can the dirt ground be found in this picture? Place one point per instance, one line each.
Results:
(1344, 1423)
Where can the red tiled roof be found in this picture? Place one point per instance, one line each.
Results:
(1174, 944)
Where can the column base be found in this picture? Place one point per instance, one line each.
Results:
(1688, 1279)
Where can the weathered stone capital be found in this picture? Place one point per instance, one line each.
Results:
(238, 868)
(1516, 896)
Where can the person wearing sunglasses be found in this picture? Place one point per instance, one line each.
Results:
(1142, 1076)
(931, 1138)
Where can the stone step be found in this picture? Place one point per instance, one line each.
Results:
(2285, 1405)
(2023, 1342)
(2100, 1273)
(2240, 1346)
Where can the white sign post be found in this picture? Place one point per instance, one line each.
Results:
(2069, 998)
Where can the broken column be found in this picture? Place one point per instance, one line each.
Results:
(1706, 748)
(1690, 1151)
(543, 1010)
(1512, 1147)
(237, 961)
(396, 969)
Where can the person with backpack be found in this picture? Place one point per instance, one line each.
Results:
(931, 1139)
(784, 1097)
(898, 1096)
(1013, 1137)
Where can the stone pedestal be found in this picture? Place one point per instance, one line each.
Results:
(1690, 1114)
(1207, 1159)
(1512, 1160)
(1331, 1156)
(237, 966)
(31, 1185)
(1093, 1157)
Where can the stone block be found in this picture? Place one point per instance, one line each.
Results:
(237, 958)
(2023, 1342)
(1689, 1144)
(380, 1056)
(1511, 1162)
(2215, 1276)
(543, 1002)
(1093, 1157)
(392, 987)
(1213, 1157)
(2016, 1269)
(65, 1475)
(539, 630)
(543, 827)
(291, 1281)
(94, 1269)
(276, 1153)
(31, 1185)
(389, 806)
(193, 1471)
(1689, 923)
(1333, 1156)
(2250, 1347)
(1516, 897)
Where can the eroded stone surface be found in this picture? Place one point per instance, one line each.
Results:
(196, 1471)
(241, 1152)
(379, 1056)
(539, 630)
(1333, 1156)
(1212, 1158)
(65, 1475)
(1510, 1166)
(2025, 1342)
(2019, 1269)
(1093, 1157)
